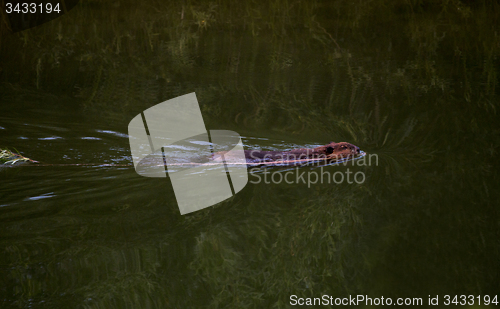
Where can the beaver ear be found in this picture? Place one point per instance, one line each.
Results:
(332, 142)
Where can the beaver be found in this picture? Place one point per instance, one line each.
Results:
(330, 153)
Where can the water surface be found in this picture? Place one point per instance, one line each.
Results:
(415, 84)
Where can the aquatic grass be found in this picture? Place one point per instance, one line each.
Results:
(9, 157)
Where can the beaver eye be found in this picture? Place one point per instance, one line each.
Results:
(329, 150)
(343, 147)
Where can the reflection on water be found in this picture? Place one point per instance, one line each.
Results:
(415, 83)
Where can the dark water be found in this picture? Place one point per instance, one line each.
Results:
(415, 84)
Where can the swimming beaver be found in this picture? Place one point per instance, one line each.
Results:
(333, 152)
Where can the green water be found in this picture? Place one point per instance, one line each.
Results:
(414, 83)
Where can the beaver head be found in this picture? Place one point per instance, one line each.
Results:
(336, 151)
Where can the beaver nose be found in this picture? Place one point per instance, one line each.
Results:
(358, 150)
